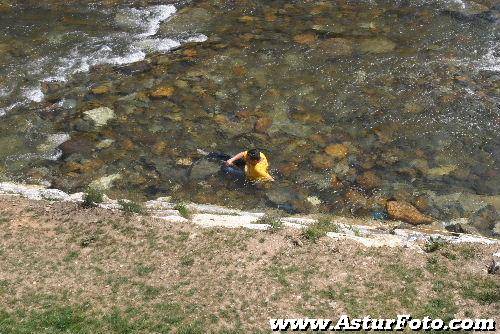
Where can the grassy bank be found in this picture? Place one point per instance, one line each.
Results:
(69, 269)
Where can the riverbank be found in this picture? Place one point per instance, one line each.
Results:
(68, 268)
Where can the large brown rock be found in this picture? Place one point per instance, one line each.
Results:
(406, 212)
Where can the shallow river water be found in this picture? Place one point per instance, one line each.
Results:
(353, 102)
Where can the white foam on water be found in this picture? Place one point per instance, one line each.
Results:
(129, 58)
(197, 39)
(129, 45)
(159, 14)
(34, 94)
(491, 60)
(5, 110)
(157, 44)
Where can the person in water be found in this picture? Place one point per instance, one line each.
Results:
(255, 165)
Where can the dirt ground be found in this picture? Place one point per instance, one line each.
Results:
(69, 269)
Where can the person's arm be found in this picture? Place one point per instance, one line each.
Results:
(236, 157)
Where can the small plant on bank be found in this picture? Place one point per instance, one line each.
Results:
(276, 225)
(272, 220)
(131, 207)
(92, 197)
(434, 244)
(319, 229)
(183, 210)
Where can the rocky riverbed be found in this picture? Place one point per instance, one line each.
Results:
(354, 103)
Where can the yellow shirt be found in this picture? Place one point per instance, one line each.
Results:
(257, 172)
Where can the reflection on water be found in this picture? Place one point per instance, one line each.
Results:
(353, 102)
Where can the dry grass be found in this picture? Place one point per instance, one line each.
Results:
(71, 269)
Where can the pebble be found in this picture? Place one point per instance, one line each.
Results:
(335, 182)
(369, 180)
(162, 92)
(314, 200)
(377, 45)
(320, 161)
(100, 116)
(105, 182)
(337, 47)
(263, 124)
(99, 90)
(337, 151)
(305, 38)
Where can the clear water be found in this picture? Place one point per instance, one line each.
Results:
(410, 88)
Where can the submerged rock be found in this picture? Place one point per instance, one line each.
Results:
(406, 212)
(100, 116)
(105, 182)
(53, 141)
(263, 124)
(187, 21)
(203, 169)
(305, 38)
(377, 45)
(485, 219)
(441, 171)
(100, 90)
(337, 151)
(369, 180)
(162, 92)
(465, 10)
(105, 143)
(336, 47)
(320, 161)
(283, 198)
(76, 145)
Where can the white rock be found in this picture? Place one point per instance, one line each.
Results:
(173, 219)
(105, 143)
(76, 197)
(299, 220)
(315, 201)
(54, 195)
(100, 115)
(52, 142)
(28, 191)
(231, 221)
(104, 182)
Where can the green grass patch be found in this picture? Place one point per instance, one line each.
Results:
(131, 207)
(4, 218)
(183, 210)
(441, 307)
(72, 255)
(483, 290)
(187, 261)
(434, 244)
(92, 197)
(319, 229)
(144, 270)
(467, 252)
(273, 221)
(435, 267)
(353, 303)
(281, 273)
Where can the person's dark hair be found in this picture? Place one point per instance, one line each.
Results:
(253, 154)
